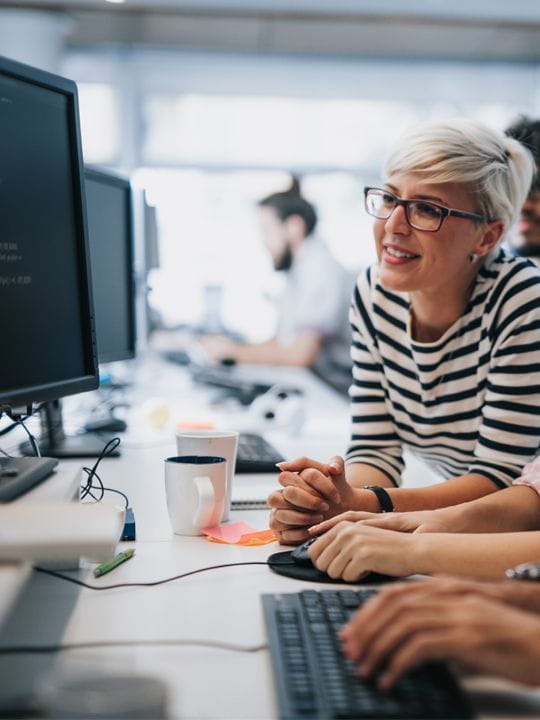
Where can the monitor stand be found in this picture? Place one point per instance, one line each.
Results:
(53, 442)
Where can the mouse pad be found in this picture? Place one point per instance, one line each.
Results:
(282, 564)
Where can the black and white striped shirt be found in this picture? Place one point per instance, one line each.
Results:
(467, 403)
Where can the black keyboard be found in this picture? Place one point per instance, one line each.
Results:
(20, 474)
(314, 679)
(232, 384)
(256, 455)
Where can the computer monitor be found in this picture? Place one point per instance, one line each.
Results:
(110, 233)
(46, 324)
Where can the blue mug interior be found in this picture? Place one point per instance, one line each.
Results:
(195, 459)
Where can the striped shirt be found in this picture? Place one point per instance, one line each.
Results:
(467, 403)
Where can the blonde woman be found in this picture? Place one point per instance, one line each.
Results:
(446, 331)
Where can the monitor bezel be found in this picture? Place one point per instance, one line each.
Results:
(90, 379)
(108, 178)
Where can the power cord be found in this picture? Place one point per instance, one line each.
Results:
(16, 422)
(33, 441)
(44, 649)
(91, 473)
(153, 583)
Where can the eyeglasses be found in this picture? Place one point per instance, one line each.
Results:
(420, 215)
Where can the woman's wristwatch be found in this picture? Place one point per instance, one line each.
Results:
(385, 501)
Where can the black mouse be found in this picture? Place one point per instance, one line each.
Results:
(300, 555)
(110, 424)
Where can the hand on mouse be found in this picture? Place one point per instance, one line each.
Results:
(350, 550)
(313, 491)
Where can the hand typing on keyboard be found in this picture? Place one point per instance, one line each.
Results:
(313, 492)
(473, 623)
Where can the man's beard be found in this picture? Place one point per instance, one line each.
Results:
(285, 260)
(528, 250)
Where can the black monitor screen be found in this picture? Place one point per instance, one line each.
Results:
(108, 206)
(45, 319)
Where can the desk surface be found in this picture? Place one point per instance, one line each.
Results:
(219, 605)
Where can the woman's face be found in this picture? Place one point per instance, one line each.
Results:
(432, 258)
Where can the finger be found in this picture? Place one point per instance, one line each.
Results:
(322, 484)
(417, 650)
(350, 516)
(390, 521)
(329, 549)
(295, 480)
(336, 465)
(303, 499)
(379, 612)
(425, 618)
(296, 518)
(302, 463)
(339, 563)
(276, 500)
(323, 542)
(292, 537)
(288, 479)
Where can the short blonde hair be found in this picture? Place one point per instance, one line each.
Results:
(498, 169)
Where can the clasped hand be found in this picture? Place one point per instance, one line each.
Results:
(312, 492)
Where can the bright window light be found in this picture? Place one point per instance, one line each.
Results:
(100, 122)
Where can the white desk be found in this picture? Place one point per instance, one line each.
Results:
(220, 605)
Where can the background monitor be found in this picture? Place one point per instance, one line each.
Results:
(46, 318)
(110, 233)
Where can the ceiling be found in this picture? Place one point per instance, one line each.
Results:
(428, 29)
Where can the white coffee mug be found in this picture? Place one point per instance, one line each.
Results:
(195, 487)
(212, 442)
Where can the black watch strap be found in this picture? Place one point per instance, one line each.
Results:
(385, 501)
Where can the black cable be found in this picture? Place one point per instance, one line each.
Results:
(33, 441)
(33, 649)
(91, 473)
(53, 573)
(42, 649)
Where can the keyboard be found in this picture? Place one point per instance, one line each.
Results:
(20, 474)
(314, 680)
(256, 455)
(232, 385)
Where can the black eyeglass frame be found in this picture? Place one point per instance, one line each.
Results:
(445, 212)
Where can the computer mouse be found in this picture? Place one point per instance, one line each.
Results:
(300, 555)
(110, 424)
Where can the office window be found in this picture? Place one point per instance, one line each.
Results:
(209, 159)
(100, 123)
(269, 131)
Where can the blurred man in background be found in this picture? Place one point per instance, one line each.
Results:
(527, 241)
(312, 327)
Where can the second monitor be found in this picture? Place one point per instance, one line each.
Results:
(110, 232)
(111, 248)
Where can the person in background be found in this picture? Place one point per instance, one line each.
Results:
(446, 329)
(491, 628)
(527, 241)
(313, 328)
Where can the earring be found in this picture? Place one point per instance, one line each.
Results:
(473, 257)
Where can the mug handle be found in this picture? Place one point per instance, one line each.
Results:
(206, 497)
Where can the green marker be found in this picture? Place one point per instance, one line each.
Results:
(117, 560)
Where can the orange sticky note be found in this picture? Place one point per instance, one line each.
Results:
(239, 533)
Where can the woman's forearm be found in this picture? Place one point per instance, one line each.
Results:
(513, 509)
(452, 492)
(482, 555)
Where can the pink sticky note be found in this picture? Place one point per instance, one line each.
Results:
(229, 533)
